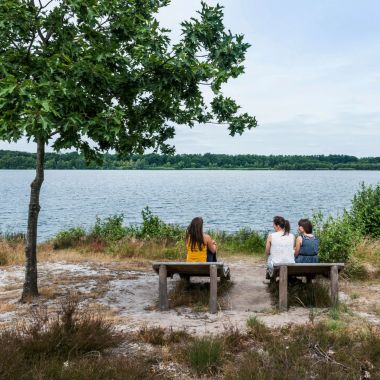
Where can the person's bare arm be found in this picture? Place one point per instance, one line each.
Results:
(211, 244)
(298, 246)
(268, 244)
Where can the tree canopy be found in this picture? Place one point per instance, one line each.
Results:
(98, 75)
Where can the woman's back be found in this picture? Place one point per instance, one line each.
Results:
(194, 254)
(282, 248)
(309, 250)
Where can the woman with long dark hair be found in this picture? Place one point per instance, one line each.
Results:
(280, 244)
(200, 247)
(306, 244)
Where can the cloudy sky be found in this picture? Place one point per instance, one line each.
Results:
(312, 78)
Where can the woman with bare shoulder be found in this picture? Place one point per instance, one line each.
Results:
(200, 247)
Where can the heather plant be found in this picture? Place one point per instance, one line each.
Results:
(365, 211)
(69, 238)
(337, 237)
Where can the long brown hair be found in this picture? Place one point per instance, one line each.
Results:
(283, 223)
(194, 233)
(306, 224)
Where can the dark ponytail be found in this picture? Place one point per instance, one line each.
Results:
(287, 227)
(282, 223)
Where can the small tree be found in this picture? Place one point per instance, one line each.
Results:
(100, 75)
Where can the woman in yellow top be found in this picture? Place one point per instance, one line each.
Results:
(199, 246)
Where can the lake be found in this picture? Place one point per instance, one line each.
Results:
(227, 200)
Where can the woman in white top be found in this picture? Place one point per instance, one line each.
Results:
(280, 244)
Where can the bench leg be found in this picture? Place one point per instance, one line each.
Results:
(163, 288)
(334, 275)
(213, 289)
(283, 291)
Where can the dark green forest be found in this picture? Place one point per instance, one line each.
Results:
(24, 160)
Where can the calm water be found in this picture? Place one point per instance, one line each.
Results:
(227, 200)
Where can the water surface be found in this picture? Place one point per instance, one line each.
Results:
(227, 200)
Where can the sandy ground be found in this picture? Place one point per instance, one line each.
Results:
(127, 293)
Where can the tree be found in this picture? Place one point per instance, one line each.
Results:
(101, 75)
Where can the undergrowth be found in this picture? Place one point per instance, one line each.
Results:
(71, 344)
(197, 295)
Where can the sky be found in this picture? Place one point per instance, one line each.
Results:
(312, 78)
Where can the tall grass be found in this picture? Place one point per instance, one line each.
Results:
(205, 354)
(314, 294)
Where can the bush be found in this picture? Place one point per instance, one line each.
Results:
(244, 240)
(154, 227)
(109, 229)
(68, 238)
(337, 237)
(365, 210)
(205, 354)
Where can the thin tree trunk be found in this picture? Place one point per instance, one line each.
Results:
(30, 288)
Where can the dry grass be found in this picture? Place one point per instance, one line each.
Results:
(197, 295)
(310, 352)
(315, 294)
(7, 307)
(160, 336)
(364, 264)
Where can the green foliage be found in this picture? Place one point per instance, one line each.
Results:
(108, 72)
(154, 227)
(337, 237)
(12, 237)
(205, 354)
(73, 160)
(68, 238)
(365, 210)
(109, 229)
(244, 241)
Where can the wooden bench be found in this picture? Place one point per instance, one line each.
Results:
(187, 270)
(329, 270)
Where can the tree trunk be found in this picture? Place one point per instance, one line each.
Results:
(30, 288)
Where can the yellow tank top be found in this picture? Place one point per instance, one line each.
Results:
(196, 255)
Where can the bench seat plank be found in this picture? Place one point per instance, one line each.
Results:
(303, 269)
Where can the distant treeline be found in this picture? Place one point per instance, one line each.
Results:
(23, 160)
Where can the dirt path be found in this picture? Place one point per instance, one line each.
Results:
(129, 296)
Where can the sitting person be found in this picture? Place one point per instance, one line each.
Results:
(199, 246)
(306, 250)
(280, 244)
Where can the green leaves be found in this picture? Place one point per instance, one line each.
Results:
(104, 75)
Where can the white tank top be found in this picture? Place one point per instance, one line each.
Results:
(282, 248)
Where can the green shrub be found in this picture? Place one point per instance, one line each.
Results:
(12, 237)
(154, 227)
(365, 210)
(205, 354)
(337, 237)
(109, 229)
(245, 240)
(68, 238)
